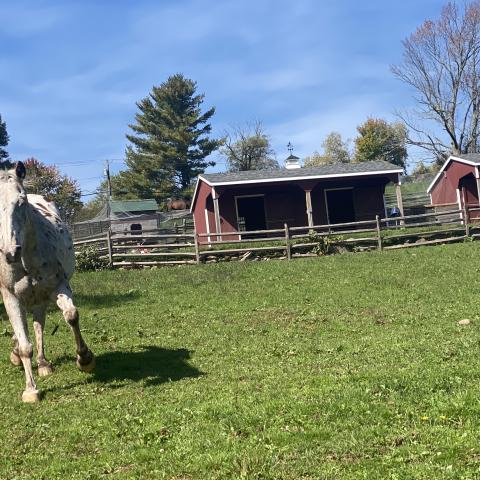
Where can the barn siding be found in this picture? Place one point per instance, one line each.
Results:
(445, 190)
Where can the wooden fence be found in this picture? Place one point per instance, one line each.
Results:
(155, 248)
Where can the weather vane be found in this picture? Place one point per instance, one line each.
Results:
(290, 147)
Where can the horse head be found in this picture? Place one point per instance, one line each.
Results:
(13, 211)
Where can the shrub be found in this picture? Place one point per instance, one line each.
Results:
(88, 259)
(325, 244)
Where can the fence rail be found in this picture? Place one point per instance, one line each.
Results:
(155, 247)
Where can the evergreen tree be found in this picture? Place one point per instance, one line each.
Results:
(3, 140)
(170, 141)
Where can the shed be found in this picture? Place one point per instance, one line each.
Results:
(267, 199)
(457, 183)
(133, 216)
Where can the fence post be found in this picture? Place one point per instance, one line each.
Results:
(466, 219)
(288, 247)
(184, 226)
(379, 234)
(109, 246)
(197, 248)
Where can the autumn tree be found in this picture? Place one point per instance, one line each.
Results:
(4, 139)
(46, 180)
(169, 143)
(248, 148)
(335, 150)
(380, 140)
(441, 63)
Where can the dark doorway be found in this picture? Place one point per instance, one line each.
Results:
(136, 228)
(468, 188)
(340, 206)
(251, 213)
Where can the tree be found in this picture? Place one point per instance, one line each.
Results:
(335, 150)
(441, 62)
(170, 141)
(4, 139)
(380, 140)
(46, 180)
(248, 149)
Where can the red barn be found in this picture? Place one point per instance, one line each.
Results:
(457, 183)
(267, 199)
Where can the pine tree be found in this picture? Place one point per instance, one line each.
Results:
(3, 140)
(170, 142)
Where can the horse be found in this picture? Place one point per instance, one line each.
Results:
(178, 204)
(37, 262)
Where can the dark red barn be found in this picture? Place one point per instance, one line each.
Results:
(267, 199)
(457, 183)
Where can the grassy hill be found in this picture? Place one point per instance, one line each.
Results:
(350, 367)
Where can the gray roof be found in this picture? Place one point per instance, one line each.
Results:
(469, 157)
(284, 174)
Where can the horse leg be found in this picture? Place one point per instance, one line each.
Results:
(44, 366)
(14, 354)
(18, 319)
(85, 357)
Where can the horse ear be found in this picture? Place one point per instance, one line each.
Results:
(20, 170)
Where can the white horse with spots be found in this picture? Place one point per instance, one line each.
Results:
(36, 264)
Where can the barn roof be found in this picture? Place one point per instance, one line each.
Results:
(119, 206)
(472, 159)
(282, 174)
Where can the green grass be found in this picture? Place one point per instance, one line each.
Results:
(344, 367)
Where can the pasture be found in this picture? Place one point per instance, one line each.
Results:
(351, 366)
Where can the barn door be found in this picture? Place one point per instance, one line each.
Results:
(340, 206)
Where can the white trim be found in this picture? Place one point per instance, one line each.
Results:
(451, 158)
(325, 190)
(249, 196)
(194, 198)
(459, 203)
(207, 223)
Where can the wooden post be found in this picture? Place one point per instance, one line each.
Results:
(308, 199)
(197, 248)
(184, 226)
(288, 247)
(466, 220)
(379, 233)
(216, 211)
(398, 191)
(109, 246)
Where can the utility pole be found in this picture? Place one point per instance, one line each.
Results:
(109, 188)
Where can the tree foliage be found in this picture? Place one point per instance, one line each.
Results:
(441, 63)
(169, 143)
(380, 140)
(248, 148)
(4, 139)
(335, 150)
(46, 180)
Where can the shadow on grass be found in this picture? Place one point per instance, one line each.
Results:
(153, 365)
(104, 300)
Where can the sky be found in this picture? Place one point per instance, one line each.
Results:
(71, 72)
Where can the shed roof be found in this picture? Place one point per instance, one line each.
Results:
(119, 206)
(467, 158)
(333, 170)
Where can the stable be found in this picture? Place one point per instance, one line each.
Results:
(457, 183)
(234, 202)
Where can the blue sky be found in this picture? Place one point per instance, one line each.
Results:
(71, 72)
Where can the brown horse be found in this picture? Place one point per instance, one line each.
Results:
(178, 204)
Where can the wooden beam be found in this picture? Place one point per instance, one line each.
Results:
(308, 199)
(216, 211)
(398, 191)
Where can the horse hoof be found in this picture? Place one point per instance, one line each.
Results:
(44, 370)
(31, 396)
(86, 367)
(15, 359)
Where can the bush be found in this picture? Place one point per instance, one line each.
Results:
(89, 259)
(325, 244)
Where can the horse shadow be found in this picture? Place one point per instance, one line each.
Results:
(105, 299)
(152, 365)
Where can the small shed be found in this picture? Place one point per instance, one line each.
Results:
(457, 183)
(267, 199)
(133, 216)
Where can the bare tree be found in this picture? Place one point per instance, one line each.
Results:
(248, 148)
(441, 62)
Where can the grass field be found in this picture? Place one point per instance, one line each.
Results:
(344, 367)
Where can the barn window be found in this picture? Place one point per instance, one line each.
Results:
(136, 228)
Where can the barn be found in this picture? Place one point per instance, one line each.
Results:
(267, 199)
(457, 183)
